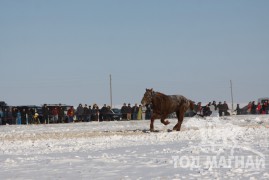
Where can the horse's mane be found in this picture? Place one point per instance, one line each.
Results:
(159, 101)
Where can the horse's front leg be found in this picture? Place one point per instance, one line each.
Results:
(152, 124)
(153, 117)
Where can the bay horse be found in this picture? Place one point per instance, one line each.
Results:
(163, 105)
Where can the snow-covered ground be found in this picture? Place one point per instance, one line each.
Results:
(234, 147)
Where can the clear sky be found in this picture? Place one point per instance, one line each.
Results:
(62, 51)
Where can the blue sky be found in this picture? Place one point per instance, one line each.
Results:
(63, 51)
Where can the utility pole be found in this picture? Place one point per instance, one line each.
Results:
(232, 96)
(110, 80)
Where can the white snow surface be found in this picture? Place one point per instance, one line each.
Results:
(127, 150)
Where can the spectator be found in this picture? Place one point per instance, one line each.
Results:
(79, 112)
(213, 109)
(267, 107)
(249, 108)
(45, 112)
(206, 110)
(225, 109)
(70, 114)
(60, 114)
(30, 114)
(124, 111)
(103, 113)
(253, 107)
(95, 113)
(23, 116)
(4, 119)
(36, 119)
(135, 111)
(238, 110)
(109, 116)
(215, 105)
(258, 108)
(13, 118)
(86, 113)
(54, 114)
(263, 109)
(220, 108)
(18, 117)
(129, 112)
(139, 114)
(90, 114)
(147, 111)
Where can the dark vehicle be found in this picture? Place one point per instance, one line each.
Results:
(31, 111)
(3, 104)
(115, 114)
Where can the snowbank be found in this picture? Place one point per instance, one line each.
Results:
(206, 148)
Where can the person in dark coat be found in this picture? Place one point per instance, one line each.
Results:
(90, 113)
(124, 111)
(215, 105)
(220, 108)
(60, 114)
(238, 110)
(225, 109)
(148, 112)
(13, 118)
(30, 114)
(23, 116)
(45, 112)
(86, 113)
(135, 112)
(253, 107)
(264, 106)
(94, 113)
(206, 110)
(103, 113)
(79, 112)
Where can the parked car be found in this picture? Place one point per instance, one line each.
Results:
(3, 104)
(115, 114)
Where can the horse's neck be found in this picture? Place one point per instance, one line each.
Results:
(158, 97)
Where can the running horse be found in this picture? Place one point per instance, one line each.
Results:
(163, 105)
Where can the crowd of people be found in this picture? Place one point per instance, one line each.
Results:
(260, 108)
(208, 109)
(67, 114)
(223, 109)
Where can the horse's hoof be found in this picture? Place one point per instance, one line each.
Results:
(151, 130)
(167, 122)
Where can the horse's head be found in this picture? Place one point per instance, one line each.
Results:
(147, 98)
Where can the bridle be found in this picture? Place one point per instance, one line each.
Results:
(152, 94)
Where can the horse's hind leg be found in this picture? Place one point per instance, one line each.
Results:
(180, 117)
(175, 127)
